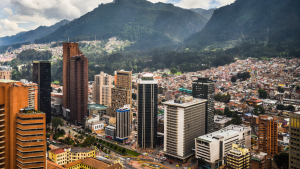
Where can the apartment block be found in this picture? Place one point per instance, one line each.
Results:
(123, 127)
(220, 121)
(215, 146)
(5, 72)
(91, 163)
(31, 139)
(204, 88)
(66, 155)
(15, 147)
(238, 157)
(102, 89)
(78, 88)
(260, 161)
(69, 50)
(121, 93)
(267, 135)
(184, 120)
(41, 75)
(294, 140)
(147, 112)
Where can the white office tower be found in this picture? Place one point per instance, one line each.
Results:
(213, 147)
(184, 120)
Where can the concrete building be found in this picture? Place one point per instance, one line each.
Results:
(102, 89)
(56, 104)
(66, 155)
(147, 112)
(69, 50)
(238, 157)
(14, 95)
(294, 162)
(121, 93)
(260, 161)
(184, 120)
(5, 72)
(220, 121)
(267, 135)
(204, 88)
(222, 140)
(78, 88)
(123, 127)
(91, 163)
(41, 75)
(97, 109)
(110, 132)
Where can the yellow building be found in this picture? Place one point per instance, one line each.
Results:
(90, 163)
(238, 157)
(63, 156)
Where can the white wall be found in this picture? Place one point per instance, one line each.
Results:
(180, 131)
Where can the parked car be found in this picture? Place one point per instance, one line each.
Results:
(163, 158)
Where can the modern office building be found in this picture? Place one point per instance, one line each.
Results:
(184, 120)
(78, 88)
(204, 88)
(121, 93)
(69, 50)
(238, 157)
(294, 140)
(66, 155)
(214, 147)
(147, 112)
(102, 89)
(267, 135)
(22, 133)
(41, 75)
(123, 127)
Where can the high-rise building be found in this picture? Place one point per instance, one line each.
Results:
(102, 89)
(78, 88)
(238, 157)
(121, 93)
(69, 50)
(123, 127)
(22, 129)
(214, 147)
(184, 120)
(294, 162)
(204, 88)
(267, 135)
(147, 112)
(41, 75)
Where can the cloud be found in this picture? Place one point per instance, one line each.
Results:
(7, 11)
(224, 2)
(9, 27)
(194, 4)
(155, 1)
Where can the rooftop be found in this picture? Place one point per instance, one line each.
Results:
(96, 106)
(258, 156)
(225, 132)
(187, 104)
(58, 151)
(7, 81)
(82, 150)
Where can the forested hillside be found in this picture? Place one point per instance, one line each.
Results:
(146, 24)
(30, 36)
(206, 13)
(267, 22)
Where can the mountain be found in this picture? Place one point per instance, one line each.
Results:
(30, 36)
(251, 21)
(147, 24)
(206, 13)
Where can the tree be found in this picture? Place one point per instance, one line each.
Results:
(280, 89)
(233, 79)
(58, 90)
(89, 140)
(290, 108)
(56, 122)
(108, 151)
(280, 107)
(262, 93)
(123, 150)
(282, 160)
(258, 108)
(133, 96)
(173, 70)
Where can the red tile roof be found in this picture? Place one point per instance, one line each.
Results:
(58, 151)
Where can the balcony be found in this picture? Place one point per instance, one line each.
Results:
(30, 126)
(29, 149)
(30, 154)
(23, 144)
(31, 160)
(29, 132)
(30, 138)
(30, 121)
(25, 166)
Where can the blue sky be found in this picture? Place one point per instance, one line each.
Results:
(23, 15)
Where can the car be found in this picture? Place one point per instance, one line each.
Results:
(156, 158)
(135, 135)
(163, 158)
(128, 158)
(106, 156)
(162, 162)
(171, 162)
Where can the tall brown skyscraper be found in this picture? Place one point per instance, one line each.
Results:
(121, 93)
(22, 129)
(267, 135)
(78, 88)
(69, 50)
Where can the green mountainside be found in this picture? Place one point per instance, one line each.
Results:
(267, 22)
(144, 23)
(30, 36)
(206, 13)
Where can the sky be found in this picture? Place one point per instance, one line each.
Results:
(24, 15)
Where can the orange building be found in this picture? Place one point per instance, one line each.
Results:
(14, 96)
(253, 101)
(268, 135)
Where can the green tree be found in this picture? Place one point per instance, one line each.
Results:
(280, 107)
(173, 70)
(58, 90)
(262, 93)
(56, 122)
(233, 79)
(280, 89)
(89, 140)
(282, 160)
(258, 108)
(290, 108)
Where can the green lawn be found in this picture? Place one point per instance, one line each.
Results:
(178, 73)
(56, 82)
